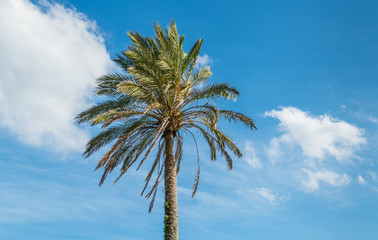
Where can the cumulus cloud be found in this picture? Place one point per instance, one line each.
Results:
(317, 136)
(250, 156)
(50, 58)
(329, 177)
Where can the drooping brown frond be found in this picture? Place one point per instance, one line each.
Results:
(178, 154)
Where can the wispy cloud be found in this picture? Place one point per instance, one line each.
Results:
(49, 61)
(361, 180)
(250, 156)
(29, 200)
(266, 195)
(373, 119)
(33, 191)
(328, 177)
(206, 199)
(373, 175)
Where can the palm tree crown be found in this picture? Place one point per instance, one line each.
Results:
(161, 92)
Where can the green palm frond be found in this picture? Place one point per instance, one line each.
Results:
(235, 117)
(124, 102)
(161, 90)
(107, 85)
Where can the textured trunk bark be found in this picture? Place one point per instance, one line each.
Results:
(170, 184)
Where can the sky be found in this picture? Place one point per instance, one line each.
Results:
(307, 74)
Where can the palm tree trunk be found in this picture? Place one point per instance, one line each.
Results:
(170, 184)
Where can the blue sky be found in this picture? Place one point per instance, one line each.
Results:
(307, 73)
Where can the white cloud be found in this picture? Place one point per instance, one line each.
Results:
(317, 136)
(361, 180)
(373, 175)
(266, 195)
(332, 178)
(250, 156)
(373, 119)
(49, 61)
(274, 151)
(29, 200)
(204, 60)
(206, 198)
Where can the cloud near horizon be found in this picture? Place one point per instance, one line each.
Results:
(50, 58)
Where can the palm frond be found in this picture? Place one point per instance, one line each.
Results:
(160, 92)
(107, 84)
(123, 102)
(235, 116)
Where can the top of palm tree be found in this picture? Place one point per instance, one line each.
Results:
(161, 89)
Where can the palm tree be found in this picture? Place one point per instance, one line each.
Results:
(161, 95)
